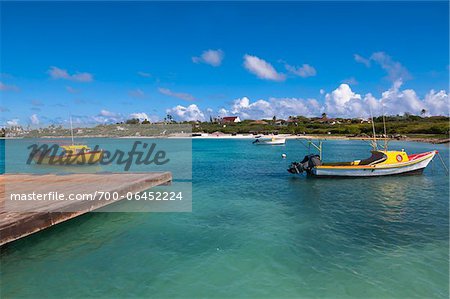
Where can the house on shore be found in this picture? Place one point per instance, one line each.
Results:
(230, 119)
(280, 122)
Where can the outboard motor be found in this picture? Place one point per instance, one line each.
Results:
(307, 164)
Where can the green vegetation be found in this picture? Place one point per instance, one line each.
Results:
(408, 124)
(412, 125)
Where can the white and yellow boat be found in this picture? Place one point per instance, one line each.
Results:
(70, 155)
(381, 163)
(269, 141)
(74, 154)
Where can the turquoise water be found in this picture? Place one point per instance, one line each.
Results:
(255, 231)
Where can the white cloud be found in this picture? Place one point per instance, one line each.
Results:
(280, 107)
(395, 70)
(343, 102)
(189, 113)
(13, 122)
(222, 112)
(286, 107)
(179, 95)
(437, 103)
(396, 101)
(6, 87)
(303, 71)
(140, 115)
(34, 119)
(136, 93)
(211, 57)
(360, 59)
(262, 69)
(107, 113)
(103, 120)
(57, 73)
(105, 117)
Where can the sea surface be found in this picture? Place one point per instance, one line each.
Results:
(255, 231)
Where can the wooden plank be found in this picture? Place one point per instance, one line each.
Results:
(20, 219)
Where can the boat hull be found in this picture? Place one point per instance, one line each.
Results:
(75, 159)
(271, 142)
(406, 168)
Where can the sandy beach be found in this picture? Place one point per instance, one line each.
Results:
(323, 137)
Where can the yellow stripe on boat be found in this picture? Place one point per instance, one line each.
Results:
(391, 162)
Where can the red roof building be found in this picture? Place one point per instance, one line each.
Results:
(231, 119)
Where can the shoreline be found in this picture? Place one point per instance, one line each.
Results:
(424, 139)
(326, 137)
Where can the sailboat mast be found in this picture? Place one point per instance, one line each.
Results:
(71, 129)
(374, 142)
(385, 134)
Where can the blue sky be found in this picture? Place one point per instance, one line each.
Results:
(105, 61)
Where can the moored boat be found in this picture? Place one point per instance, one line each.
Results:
(381, 163)
(70, 155)
(74, 154)
(269, 141)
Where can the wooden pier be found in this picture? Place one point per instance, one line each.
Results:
(33, 216)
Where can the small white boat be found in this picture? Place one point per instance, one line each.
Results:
(269, 141)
